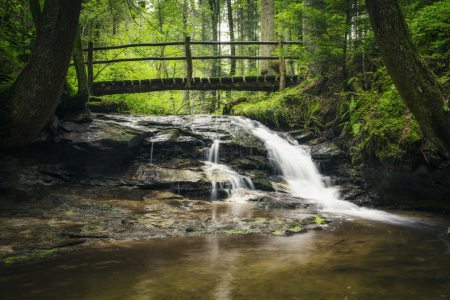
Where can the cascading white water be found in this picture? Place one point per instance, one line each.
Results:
(304, 180)
(238, 184)
(214, 152)
(151, 156)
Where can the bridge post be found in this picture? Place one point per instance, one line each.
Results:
(91, 68)
(187, 50)
(282, 64)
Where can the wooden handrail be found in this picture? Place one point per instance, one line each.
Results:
(184, 58)
(192, 43)
(188, 58)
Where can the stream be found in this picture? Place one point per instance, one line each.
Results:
(349, 259)
(146, 231)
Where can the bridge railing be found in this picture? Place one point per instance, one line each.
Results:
(189, 58)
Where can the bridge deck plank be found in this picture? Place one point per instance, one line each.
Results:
(248, 83)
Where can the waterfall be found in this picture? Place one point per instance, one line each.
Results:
(214, 152)
(298, 169)
(151, 156)
(218, 173)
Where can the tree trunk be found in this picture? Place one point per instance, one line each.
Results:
(267, 34)
(214, 7)
(80, 67)
(186, 95)
(35, 8)
(414, 80)
(344, 56)
(231, 31)
(30, 102)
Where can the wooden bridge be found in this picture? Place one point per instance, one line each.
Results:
(247, 83)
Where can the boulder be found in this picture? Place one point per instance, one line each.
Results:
(163, 137)
(326, 150)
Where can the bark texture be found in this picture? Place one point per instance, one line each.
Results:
(414, 80)
(30, 102)
(231, 28)
(35, 8)
(267, 34)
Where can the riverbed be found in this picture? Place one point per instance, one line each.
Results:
(350, 258)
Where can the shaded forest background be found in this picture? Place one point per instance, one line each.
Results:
(348, 92)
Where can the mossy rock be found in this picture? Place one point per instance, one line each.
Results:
(229, 106)
(106, 105)
(71, 100)
(263, 184)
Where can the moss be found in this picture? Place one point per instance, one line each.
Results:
(9, 65)
(48, 252)
(233, 231)
(295, 229)
(276, 233)
(37, 255)
(106, 105)
(319, 220)
(70, 99)
(229, 106)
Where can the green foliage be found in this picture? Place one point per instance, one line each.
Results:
(381, 125)
(430, 28)
(16, 34)
(108, 208)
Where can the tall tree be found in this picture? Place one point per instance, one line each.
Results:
(82, 96)
(414, 80)
(231, 31)
(267, 34)
(29, 103)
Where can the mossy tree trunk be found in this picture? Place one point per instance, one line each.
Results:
(69, 101)
(28, 104)
(80, 67)
(416, 83)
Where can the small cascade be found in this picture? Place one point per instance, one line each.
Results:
(219, 173)
(214, 191)
(298, 169)
(151, 156)
(214, 152)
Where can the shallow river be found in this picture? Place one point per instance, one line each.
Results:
(349, 259)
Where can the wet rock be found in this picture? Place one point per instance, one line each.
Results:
(163, 137)
(264, 199)
(326, 150)
(161, 195)
(263, 184)
(101, 135)
(301, 136)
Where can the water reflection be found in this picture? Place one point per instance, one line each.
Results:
(359, 259)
